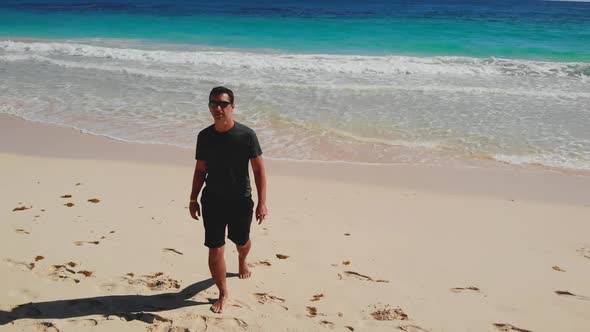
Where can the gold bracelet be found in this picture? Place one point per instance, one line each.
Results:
(193, 200)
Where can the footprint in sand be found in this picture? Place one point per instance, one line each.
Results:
(21, 231)
(69, 204)
(569, 294)
(219, 324)
(235, 303)
(62, 272)
(47, 327)
(172, 250)
(264, 298)
(470, 289)
(177, 329)
(260, 263)
(66, 196)
(94, 200)
(75, 324)
(584, 250)
(157, 281)
(311, 311)
(557, 268)
(387, 312)
(196, 323)
(66, 271)
(509, 328)
(24, 265)
(363, 277)
(86, 273)
(411, 328)
(317, 297)
(81, 243)
(29, 266)
(192, 322)
(21, 208)
(326, 323)
(281, 256)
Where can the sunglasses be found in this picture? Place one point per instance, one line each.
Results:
(223, 104)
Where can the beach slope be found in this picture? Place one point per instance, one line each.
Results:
(96, 236)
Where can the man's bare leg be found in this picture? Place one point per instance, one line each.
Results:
(218, 271)
(243, 264)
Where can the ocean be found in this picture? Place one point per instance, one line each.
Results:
(416, 82)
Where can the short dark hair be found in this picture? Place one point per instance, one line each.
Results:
(219, 90)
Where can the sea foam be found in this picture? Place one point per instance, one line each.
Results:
(351, 64)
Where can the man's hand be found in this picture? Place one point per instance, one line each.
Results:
(261, 213)
(195, 210)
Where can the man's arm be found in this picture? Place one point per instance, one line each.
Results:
(260, 179)
(198, 180)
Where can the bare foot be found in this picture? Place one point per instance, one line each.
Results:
(218, 306)
(244, 271)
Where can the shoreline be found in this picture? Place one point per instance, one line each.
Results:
(509, 182)
(438, 111)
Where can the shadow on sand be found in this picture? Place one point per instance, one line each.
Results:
(128, 307)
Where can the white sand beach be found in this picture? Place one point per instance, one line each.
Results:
(96, 236)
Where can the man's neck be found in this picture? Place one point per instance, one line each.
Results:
(223, 126)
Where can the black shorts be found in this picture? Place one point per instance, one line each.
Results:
(219, 212)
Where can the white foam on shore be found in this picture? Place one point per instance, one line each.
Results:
(167, 73)
(386, 65)
(553, 161)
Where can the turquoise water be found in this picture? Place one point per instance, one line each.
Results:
(511, 30)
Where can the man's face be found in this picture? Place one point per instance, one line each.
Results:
(220, 107)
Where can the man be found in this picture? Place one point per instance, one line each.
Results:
(223, 152)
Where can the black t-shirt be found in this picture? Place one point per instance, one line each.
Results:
(227, 155)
